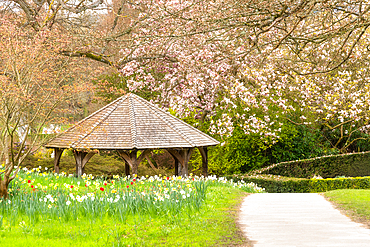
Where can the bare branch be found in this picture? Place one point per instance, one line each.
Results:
(80, 7)
(91, 55)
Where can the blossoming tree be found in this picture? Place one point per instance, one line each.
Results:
(254, 64)
(247, 64)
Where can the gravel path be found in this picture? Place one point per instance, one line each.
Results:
(292, 219)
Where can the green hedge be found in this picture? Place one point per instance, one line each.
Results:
(278, 184)
(348, 165)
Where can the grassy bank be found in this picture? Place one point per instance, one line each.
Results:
(42, 212)
(353, 203)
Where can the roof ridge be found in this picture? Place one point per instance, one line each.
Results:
(101, 120)
(132, 122)
(185, 137)
(176, 119)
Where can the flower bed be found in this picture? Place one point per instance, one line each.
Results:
(35, 194)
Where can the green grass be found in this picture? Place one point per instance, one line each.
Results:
(213, 225)
(355, 202)
(47, 209)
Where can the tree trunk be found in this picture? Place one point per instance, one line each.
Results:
(3, 189)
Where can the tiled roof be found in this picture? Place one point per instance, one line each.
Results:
(131, 122)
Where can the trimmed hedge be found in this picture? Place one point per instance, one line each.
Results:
(348, 165)
(277, 184)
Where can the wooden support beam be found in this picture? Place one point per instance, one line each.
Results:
(81, 158)
(127, 159)
(87, 158)
(182, 156)
(204, 152)
(131, 158)
(150, 162)
(125, 156)
(176, 155)
(57, 155)
(78, 157)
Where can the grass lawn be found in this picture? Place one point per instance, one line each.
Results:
(40, 213)
(353, 202)
(213, 225)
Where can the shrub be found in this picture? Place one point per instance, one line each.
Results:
(278, 184)
(349, 165)
(299, 142)
(241, 153)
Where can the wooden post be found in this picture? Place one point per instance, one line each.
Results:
(57, 154)
(78, 157)
(179, 168)
(176, 167)
(204, 152)
(186, 154)
(81, 158)
(127, 168)
(134, 161)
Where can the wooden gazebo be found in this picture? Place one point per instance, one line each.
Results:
(128, 125)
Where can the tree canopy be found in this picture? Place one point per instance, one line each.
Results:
(256, 71)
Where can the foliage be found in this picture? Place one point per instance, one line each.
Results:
(299, 142)
(280, 184)
(247, 79)
(349, 165)
(242, 153)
